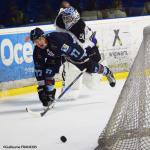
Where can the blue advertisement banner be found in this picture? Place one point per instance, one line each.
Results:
(16, 61)
(16, 57)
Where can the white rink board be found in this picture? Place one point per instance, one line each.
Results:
(119, 40)
(130, 33)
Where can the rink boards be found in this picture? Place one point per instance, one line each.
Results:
(119, 41)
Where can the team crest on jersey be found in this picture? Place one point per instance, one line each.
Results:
(65, 48)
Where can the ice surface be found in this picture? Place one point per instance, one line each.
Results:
(81, 120)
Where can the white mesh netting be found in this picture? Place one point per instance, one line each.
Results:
(129, 125)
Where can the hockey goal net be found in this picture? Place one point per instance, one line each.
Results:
(129, 125)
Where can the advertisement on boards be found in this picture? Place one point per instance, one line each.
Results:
(116, 46)
(16, 61)
(16, 55)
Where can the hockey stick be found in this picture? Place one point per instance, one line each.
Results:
(59, 97)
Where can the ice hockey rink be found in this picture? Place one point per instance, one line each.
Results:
(79, 119)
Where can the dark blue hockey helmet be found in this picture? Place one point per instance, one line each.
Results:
(36, 33)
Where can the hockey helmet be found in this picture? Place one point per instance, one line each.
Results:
(36, 33)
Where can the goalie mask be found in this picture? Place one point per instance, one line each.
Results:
(70, 16)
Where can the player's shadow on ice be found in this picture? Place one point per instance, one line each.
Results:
(70, 105)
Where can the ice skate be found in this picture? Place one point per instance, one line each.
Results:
(110, 78)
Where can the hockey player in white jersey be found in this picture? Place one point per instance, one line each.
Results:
(68, 20)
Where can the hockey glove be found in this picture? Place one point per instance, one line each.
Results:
(50, 94)
(93, 53)
(46, 96)
(42, 95)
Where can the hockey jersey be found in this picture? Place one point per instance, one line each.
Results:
(60, 47)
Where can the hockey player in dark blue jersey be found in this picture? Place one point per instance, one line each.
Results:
(51, 51)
